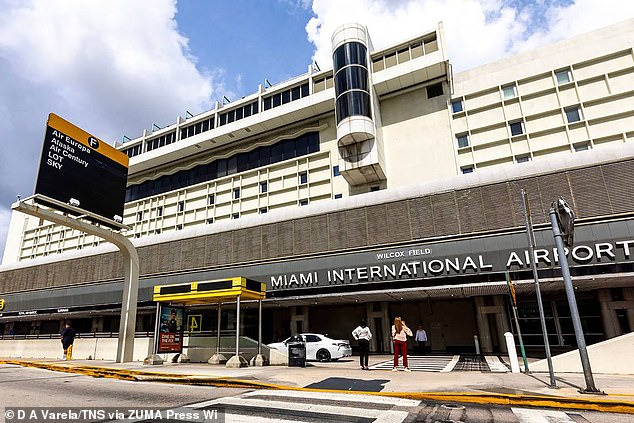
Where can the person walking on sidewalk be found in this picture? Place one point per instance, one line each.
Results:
(363, 335)
(421, 339)
(400, 331)
(68, 337)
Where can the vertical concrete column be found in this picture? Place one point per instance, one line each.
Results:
(501, 320)
(301, 316)
(611, 325)
(97, 324)
(628, 295)
(484, 332)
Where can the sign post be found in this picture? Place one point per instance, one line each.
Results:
(538, 293)
(84, 178)
(562, 220)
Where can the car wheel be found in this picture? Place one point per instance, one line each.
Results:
(323, 355)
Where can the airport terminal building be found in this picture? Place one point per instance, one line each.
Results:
(385, 186)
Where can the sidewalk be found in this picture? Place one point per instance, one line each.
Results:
(345, 376)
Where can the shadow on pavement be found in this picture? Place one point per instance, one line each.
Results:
(346, 384)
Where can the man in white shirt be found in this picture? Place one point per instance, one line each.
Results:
(421, 340)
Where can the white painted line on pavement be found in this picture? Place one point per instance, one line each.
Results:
(386, 416)
(495, 365)
(401, 402)
(449, 367)
(525, 415)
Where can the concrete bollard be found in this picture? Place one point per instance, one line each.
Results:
(510, 346)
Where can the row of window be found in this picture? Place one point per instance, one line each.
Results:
(161, 141)
(573, 114)
(238, 113)
(197, 128)
(261, 156)
(403, 54)
(509, 92)
(286, 96)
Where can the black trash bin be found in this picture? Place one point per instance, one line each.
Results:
(296, 351)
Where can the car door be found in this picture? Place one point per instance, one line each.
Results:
(312, 345)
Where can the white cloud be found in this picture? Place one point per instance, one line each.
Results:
(110, 66)
(477, 32)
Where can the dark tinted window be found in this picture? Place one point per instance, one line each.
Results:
(434, 90)
(286, 96)
(267, 103)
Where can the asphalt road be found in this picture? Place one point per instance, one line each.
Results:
(30, 387)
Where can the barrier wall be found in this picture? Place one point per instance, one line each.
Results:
(613, 356)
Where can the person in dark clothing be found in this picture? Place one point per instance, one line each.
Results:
(68, 337)
(173, 323)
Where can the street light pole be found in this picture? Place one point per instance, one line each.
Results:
(538, 293)
(572, 302)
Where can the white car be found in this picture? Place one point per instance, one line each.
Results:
(319, 347)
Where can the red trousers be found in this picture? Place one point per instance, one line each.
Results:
(400, 348)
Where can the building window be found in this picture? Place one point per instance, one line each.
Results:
(211, 199)
(157, 231)
(236, 193)
(139, 216)
(466, 169)
(523, 158)
(510, 91)
(179, 227)
(235, 216)
(517, 128)
(263, 210)
(210, 220)
(375, 188)
(181, 206)
(563, 76)
(463, 140)
(573, 114)
(159, 211)
(303, 202)
(335, 171)
(457, 106)
(303, 178)
(434, 90)
(581, 146)
(338, 196)
(264, 187)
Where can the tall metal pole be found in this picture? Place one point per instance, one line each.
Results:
(238, 327)
(538, 293)
(259, 327)
(517, 322)
(157, 325)
(127, 325)
(574, 311)
(218, 333)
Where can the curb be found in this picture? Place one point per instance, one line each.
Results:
(485, 398)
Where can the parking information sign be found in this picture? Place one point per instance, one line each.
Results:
(76, 165)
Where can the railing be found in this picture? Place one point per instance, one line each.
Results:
(145, 334)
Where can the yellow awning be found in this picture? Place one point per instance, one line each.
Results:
(211, 292)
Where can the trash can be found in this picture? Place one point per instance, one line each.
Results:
(296, 351)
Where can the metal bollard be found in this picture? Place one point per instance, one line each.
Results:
(510, 346)
(477, 344)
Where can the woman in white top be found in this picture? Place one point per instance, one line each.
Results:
(399, 335)
(363, 335)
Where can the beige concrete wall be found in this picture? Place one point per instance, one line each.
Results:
(83, 348)
(417, 138)
(613, 356)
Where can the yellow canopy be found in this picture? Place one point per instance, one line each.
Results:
(211, 292)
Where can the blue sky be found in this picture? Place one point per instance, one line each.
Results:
(116, 67)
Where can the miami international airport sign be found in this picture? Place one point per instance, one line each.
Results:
(76, 165)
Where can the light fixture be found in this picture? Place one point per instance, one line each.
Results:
(316, 66)
(117, 218)
(125, 138)
(188, 114)
(266, 82)
(154, 125)
(224, 98)
(74, 202)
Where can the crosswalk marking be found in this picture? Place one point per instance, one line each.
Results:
(374, 399)
(495, 364)
(425, 363)
(333, 407)
(525, 415)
